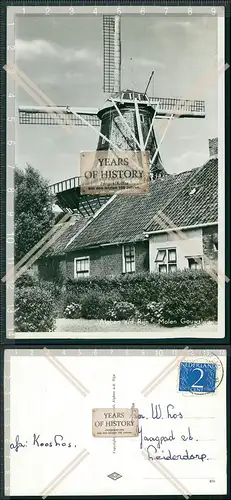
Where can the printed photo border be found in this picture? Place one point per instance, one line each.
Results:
(10, 142)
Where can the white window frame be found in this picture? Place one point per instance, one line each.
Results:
(165, 262)
(195, 257)
(124, 263)
(77, 275)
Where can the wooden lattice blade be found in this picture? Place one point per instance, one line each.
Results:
(181, 108)
(111, 54)
(57, 115)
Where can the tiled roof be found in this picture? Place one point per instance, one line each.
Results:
(125, 218)
(196, 203)
(73, 226)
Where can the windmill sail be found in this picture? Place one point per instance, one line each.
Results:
(112, 54)
(182, 108)
(58, 115)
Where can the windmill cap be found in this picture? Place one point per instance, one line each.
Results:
(126, 95)
(133, 94)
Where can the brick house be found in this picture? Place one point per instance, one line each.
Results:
(174, 226)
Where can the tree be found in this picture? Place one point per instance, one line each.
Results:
(33, 210)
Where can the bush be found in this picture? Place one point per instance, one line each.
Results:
(96, 305)
(122, 311)
(73, 311)
(152, 312)
(34, 309)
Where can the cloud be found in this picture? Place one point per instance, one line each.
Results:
(68, 76)
(185, 137)
(183, 24)
(148, 63)
(187, 161)
(30, 50)
(195, 27)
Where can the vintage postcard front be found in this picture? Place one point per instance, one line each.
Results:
(115, 422)
(115, 180)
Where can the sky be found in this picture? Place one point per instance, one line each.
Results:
(63, 56)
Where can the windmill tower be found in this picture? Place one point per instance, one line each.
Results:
(125, 122)
(126, 118)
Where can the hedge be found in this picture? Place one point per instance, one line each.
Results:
(178, 298)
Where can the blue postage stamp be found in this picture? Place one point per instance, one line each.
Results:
(197, 377)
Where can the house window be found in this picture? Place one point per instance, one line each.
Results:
(195, 263)
(166, 260)
(81, 267)
(128, 253)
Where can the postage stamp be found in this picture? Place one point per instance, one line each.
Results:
(197, 377)
(115, 422)
(200, 375)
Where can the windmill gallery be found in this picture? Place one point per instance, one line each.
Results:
(96, 241)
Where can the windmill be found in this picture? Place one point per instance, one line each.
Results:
(125, 122)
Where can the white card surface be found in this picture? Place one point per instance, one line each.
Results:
(49, 444)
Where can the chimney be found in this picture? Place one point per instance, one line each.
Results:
(213, 147)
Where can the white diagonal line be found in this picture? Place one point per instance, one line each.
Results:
(162, 375)
(67, 374)
(35, 92)
(116, 148)
(38, 91)
(54, 229)
(211, 267)
(92, 127)
(161, 140)
(152, 124)
(64, 473)
(18, 75)
(213, 75)
(15, 72)
(38, 254)
(125, 122)
(138, 122)
(168, 475)
(186, 183)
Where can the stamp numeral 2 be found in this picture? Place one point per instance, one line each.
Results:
(197, 377)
